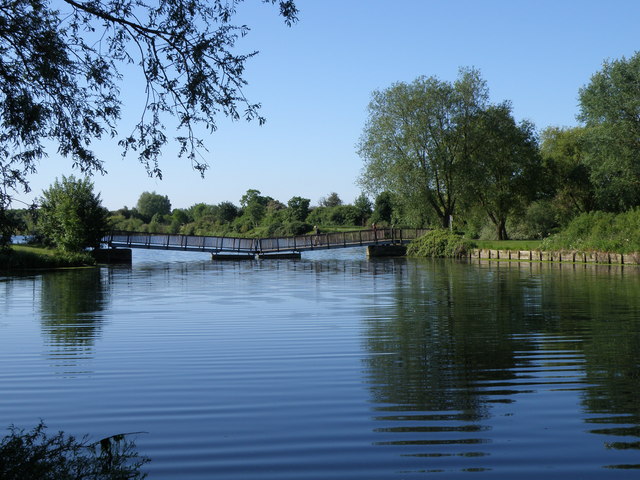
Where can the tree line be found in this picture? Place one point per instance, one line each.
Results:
(446, 155)
(70, 216)
(256, 215)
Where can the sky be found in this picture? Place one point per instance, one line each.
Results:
(315, 79)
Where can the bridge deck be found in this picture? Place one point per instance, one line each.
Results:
(299, 243)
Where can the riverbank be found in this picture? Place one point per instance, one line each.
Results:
(23, 257)
(605, 258)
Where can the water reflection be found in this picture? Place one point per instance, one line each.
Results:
(71, 303)
(345, 369)
(456, 342)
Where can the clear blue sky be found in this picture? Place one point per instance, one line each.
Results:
(315, 79)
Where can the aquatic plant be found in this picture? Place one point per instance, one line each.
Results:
(34, 454)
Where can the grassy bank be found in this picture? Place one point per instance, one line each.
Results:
(509, 244)
(25, 257)
(599, 231)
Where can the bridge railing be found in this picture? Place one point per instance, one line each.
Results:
(180, 242)
(339, 239)
(258, 245)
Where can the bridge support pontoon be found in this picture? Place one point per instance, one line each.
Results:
(386, 251)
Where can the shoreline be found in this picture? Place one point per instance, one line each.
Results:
(575, 257)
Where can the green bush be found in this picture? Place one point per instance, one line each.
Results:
(599, 231)
(440, 243)
(71, 215)
(35, 455)
(296, 228)
(538, 222)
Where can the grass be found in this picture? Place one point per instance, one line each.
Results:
(509, 244)
(600, 231)
(20, 257)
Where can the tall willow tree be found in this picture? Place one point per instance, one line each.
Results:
(418, 140)
(506, 169)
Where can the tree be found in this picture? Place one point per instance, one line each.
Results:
(298, 208)
(332, 200)
(254, 206)
(417, 142)
(567, 174)
(363, 208)
(63, 65)
(383, 208)
(71, 216)
(505, 165)
(227, 211)
(152, 203)
(610, 106)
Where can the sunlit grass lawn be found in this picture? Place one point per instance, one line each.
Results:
(509, 244)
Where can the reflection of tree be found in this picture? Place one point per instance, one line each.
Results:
(71, 301)
(601, 305)
(444, 330)
(451, 339)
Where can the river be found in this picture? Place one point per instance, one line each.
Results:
(333, 366)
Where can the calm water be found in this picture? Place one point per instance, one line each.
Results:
(333, 367)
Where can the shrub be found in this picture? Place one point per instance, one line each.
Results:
(71, 215)
(440, 243)
(538, 222)
(296, 228)
(36, 455)
(599, 231)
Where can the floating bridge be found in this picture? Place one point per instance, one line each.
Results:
(261, 246)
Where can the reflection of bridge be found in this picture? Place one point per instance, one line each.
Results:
(261, 246)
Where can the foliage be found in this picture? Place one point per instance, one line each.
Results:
(383, 208)
(63, 64)
(440, 243)
(254, 207)
(609, 106)
(25, 257)
(227, 212)
(332, 200)
(418, 140)
(364, 208)
(567, 175)
(152, 203)
(599, 231)
(298, 208)
(71, 216)
(260, 216)
(506, 165)
(9, 225)
(538, 221)
(37, 455)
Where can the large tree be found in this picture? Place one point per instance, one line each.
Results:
(418, 140)
(152, 203)
(506, 165)
(63, 64)
(610, 108)
(567, 175)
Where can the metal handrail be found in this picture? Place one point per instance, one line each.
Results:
(294, 243)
